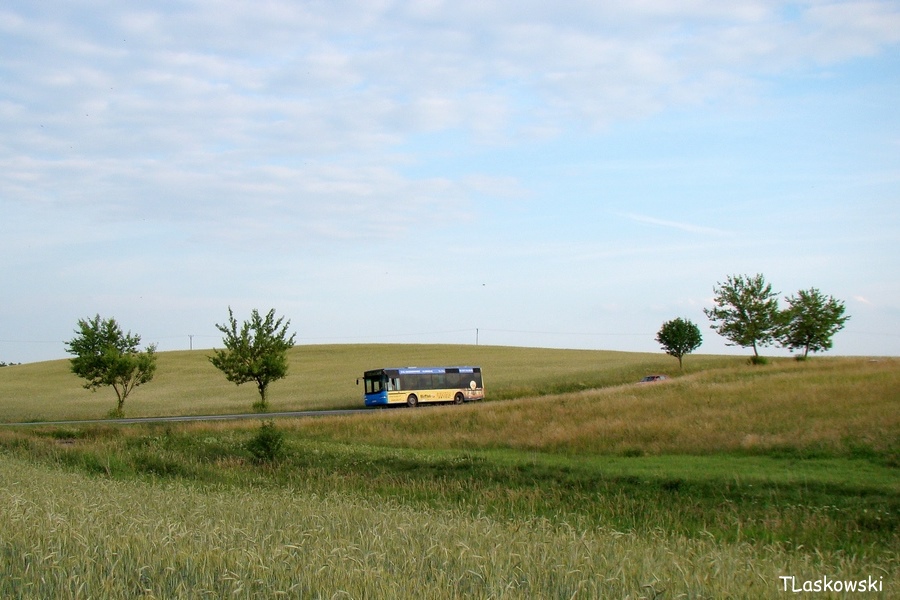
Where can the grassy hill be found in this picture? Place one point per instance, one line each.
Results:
(573, 401)
(570, 481)
(321, 377)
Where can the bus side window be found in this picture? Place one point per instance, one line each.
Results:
(393, 383)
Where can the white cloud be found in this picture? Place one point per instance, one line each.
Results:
(841, 30)
(363, 75)
(686, 227)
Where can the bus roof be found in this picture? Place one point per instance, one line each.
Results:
(423, 370)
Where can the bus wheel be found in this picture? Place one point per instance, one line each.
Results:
(458, 398)
(411, 400)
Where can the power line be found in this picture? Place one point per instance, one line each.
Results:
(580, 333)
(385, 335)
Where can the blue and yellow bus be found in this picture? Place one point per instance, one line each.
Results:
(412, 385)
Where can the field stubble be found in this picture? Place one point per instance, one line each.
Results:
(319, 377)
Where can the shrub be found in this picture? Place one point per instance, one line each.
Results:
(268, 443)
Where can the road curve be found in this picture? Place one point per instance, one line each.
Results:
(271, 415)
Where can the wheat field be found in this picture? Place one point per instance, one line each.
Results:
(67, 535)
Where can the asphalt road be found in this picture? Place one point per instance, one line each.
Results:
(298, 413)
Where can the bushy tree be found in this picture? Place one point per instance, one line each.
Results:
(257, 352)
(105, 356)
(810, 321)
(746, 312)
(679, 337)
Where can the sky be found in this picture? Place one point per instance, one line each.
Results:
(569, 174)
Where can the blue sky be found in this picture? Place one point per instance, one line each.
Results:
(567, 174)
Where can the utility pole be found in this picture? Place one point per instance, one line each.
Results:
(476, 336)
(191, 336)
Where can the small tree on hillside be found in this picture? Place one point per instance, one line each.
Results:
(258, 352)
(104, 355)
(810, 321)
(679, 337)
(746, 312)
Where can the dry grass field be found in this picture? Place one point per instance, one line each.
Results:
(831, 407)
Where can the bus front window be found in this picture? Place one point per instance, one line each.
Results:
(373, 385)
